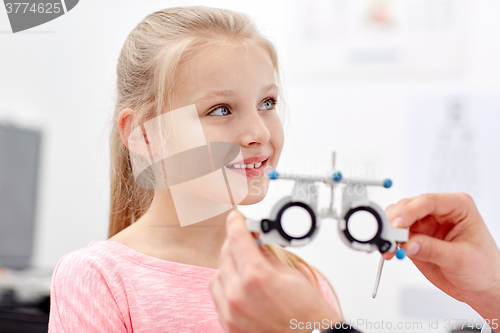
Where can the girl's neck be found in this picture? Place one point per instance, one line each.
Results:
(159, 234)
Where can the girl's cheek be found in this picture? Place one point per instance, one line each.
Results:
(277, 135)
(220, 132)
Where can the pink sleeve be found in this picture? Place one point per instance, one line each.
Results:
(80, 298)
(327, 292)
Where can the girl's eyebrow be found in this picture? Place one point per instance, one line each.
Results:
(270, 87)
(226, 93)
(215, 93)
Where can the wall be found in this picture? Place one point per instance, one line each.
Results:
(59, 77)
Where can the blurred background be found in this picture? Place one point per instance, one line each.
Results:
(401, 89)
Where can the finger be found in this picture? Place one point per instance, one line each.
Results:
(224, 250)
(216, 287)
(395, 209)
(430, 249)
(241, 244)
(389, 209)
(219, 298)
(227, 269)
(453, 206)
(427, 226)
(388, 255)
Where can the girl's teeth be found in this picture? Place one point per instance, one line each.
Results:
(245, 166)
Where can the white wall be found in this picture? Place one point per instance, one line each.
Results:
(60, 76)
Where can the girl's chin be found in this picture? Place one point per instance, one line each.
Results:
(251, 199)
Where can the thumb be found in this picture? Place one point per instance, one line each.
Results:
(433, 250)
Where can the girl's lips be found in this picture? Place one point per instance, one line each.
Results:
(251, 173)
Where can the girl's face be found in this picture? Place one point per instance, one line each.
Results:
(235, 93)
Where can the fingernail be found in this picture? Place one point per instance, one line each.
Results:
(413, 248)
(396, 222)
(232, 215)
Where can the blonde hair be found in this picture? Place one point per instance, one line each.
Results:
(146, 71)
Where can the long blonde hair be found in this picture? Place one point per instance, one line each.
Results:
(146, 72)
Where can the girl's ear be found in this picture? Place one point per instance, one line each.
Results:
(136, 142)
(125, 124)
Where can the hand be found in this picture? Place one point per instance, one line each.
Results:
(255, 292)
(451, 245)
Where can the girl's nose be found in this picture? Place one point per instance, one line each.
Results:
(253, 131)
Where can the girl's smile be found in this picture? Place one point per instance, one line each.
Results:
(253, 167)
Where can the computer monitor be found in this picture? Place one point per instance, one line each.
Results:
(19, 165)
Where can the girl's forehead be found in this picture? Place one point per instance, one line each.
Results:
(228, 68)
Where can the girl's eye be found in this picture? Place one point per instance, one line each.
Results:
(268, 104)
(221, 110)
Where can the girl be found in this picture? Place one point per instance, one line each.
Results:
(152, 275)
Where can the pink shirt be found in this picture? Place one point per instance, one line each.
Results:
(109, 287)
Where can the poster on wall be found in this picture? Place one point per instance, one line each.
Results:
(454, 147)
(379, 36)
